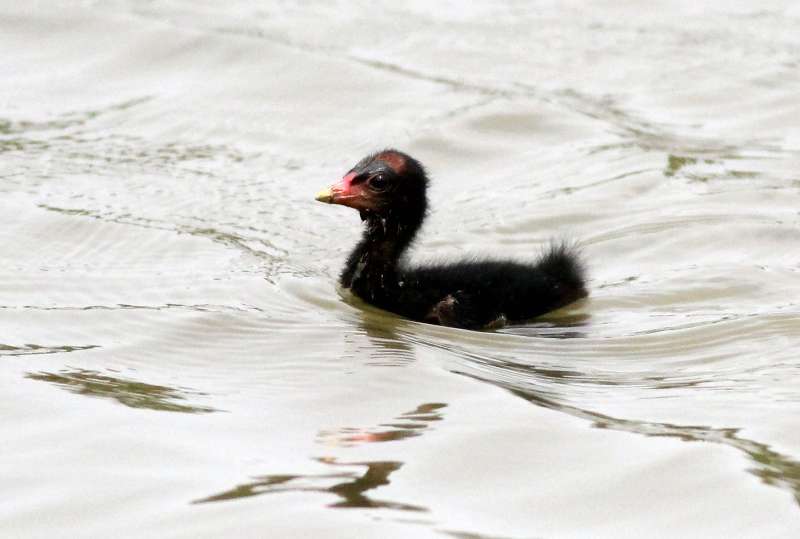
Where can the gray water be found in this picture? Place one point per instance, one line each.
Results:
(176, 359)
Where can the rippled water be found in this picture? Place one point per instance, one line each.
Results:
(177, 360)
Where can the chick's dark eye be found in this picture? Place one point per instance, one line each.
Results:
(377, 182)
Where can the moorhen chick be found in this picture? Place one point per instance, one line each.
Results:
(388, 189)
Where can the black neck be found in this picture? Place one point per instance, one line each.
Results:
(371, 269)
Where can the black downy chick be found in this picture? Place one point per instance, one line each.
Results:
(389, 191)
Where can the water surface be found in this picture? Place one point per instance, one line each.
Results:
(176, 359)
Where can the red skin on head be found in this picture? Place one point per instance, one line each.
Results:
(356, 196)
(347, 194)
(394, 160)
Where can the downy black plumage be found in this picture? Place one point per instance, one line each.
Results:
(389, 190)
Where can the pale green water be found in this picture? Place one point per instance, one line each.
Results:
(175, 357)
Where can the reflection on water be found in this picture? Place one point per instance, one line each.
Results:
(32, 349)
(382, 347)
(65, 120)
(407, 425)
(771, 467)
(128, 392)
(39, 132)
(468, 535)
(258, 247)
(704, 170)
(564, 327)
(351, 491)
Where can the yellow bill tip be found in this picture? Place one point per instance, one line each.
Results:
(325, 196)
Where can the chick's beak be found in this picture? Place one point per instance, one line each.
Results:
(326, 195)
(341, 192)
